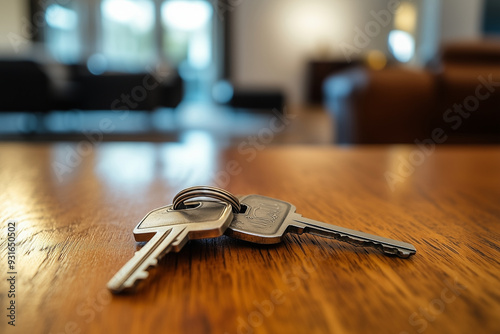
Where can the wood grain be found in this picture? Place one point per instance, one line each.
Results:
(75, 232)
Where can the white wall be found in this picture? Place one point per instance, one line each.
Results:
(273, 39)
(461, 19)
(12, 14)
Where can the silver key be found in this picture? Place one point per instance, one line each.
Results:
(167, 230)
(266, 220)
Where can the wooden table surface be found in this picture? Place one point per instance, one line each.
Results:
(75, 205)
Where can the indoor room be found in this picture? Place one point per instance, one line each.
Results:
(250, 166)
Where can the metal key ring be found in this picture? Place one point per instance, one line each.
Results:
(206, 191)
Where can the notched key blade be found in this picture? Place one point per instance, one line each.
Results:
(266, 220)
(356, 238)
(165, 230)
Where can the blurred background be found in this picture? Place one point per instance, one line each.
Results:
(286, 72)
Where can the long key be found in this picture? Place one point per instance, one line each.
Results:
(266, 220)
(167, 230)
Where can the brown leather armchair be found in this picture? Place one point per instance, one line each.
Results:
(459, 93)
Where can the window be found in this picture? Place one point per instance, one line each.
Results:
(187, 42)
(125, 36)
(128, 33)
(62, 33)
(187, 35)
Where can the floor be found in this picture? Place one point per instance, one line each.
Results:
(226, 126)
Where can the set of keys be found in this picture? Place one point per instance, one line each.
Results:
(253, 218)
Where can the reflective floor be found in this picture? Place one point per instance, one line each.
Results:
(224, 125)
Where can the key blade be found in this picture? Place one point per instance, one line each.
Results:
(356, 238)
(168, 230)
(136, 269)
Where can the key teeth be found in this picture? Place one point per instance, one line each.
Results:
(130, 285)
(388, 247)
(142, 275)
(133, 281)
(402, 253)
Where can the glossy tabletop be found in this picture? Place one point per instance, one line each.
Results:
(71, 209)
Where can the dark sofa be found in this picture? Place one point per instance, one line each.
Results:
(28, 86)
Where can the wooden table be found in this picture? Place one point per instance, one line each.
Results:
(75, 205)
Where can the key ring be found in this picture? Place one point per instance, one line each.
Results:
(206, 191)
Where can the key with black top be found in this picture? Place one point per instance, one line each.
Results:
(266, 220)
(169, 228)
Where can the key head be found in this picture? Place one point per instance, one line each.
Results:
(168, 230)
(264, 220)
(203, 219)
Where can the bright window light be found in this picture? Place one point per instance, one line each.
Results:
(186, 15)
(119, 11)
(402, 45)
(199, 51)
(127, 35)
(61, 18)
(138, 14)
